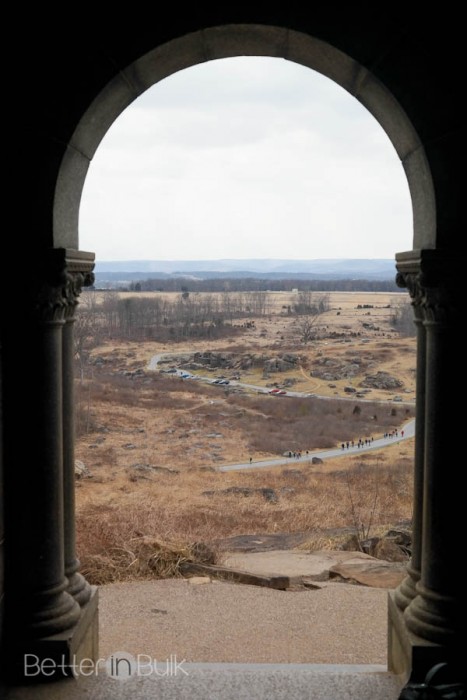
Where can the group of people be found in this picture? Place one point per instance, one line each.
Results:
(361, 443)
(394, 433)
(367, 441)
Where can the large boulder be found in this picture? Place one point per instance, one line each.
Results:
(394, 546)
(81, 470)
(381, 380)
(290, 357)
(278, 364)
(388, 550)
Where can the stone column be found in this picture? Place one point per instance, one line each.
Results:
(427, 614)
(34, 456)
(79, 274)
(436, 613)
(408, 273)
(42, 619)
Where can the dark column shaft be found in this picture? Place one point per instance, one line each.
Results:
(437, 613)
(38, 439)
(36, 602)
(406, 591)
(78, 586)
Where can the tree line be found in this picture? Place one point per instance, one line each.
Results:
(246, 284)
(110, 316)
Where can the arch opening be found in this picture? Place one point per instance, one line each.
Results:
(229, 41)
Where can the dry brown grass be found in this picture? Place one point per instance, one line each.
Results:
(150, 527)
(140, 523)
(138, 558)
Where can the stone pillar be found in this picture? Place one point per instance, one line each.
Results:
(42, 618)
(405, 593)
(435, 613)
(79, 274)
(429, 628)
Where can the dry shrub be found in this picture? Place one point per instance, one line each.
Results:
(112, 547)
(85, 418)
(377, 494)
(141, 558)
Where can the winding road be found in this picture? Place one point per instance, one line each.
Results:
(406, 431)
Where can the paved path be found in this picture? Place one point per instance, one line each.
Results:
(222, 622)
(408, 429)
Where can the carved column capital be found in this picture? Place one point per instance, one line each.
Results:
(56, 286)
(433, 279)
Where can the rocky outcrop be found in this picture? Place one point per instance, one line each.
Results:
(393, 546)
(220, 360)
(332, 369)
(214, 359)
(284, 363)
(381, 380)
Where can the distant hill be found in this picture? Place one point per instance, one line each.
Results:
(123, 271)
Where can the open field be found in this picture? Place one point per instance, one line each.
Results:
(152, 442)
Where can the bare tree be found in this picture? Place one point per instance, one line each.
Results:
(310, 307)
(306, 328)
(86, 331)
(257, 303)
(311, 304)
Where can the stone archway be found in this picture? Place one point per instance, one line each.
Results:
(234, 40)
(52, 611)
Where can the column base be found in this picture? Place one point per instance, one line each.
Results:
(410, 656)
(78, 588)
(54, 657)
(406, 591)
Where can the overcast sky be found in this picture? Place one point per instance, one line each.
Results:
(245, 158)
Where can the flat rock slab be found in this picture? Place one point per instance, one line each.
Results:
(280, 583)
(293, 563)
(377, 575)
(264, 542)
